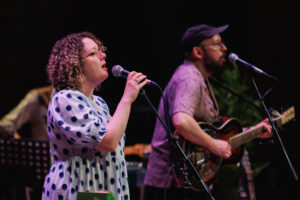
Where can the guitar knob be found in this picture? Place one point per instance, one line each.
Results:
(187, 184)
(185, 173)
(175, 137)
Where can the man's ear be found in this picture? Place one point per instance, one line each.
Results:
(197, 52)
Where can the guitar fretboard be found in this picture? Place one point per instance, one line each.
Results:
(246, 136)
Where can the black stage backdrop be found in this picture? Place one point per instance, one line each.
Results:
(144, 36)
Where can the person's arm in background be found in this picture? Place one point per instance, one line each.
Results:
(19, 115)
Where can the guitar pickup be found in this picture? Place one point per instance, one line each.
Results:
(200, 162)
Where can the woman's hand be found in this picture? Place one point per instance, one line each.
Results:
(135, 81)
(117, 124)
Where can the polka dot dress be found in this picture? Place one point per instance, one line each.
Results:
(76, 126)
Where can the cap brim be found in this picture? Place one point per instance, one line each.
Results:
(218, 30)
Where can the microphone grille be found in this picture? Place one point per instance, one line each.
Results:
(232, 57)
(117, 70)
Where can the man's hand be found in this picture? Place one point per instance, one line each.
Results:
(268, 128)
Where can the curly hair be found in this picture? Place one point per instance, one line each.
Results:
(65, 65)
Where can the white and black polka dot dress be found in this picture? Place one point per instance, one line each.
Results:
(76, 126)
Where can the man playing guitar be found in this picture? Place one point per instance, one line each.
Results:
(190, 100)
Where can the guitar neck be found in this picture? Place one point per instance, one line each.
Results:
(246, 136)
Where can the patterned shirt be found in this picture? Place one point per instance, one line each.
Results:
(187, 92)
(76, 126)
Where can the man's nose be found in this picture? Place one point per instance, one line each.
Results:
(224, 47)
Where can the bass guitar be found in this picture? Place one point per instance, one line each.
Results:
(206, 163)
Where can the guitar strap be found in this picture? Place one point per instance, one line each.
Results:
(211, 95)
(234, 93)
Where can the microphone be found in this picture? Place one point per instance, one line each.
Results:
(232, 57)
(119, 71)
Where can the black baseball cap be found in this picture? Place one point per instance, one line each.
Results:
(194, 35)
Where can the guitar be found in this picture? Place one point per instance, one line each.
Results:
(247, 166)
(206, 163)
(138, 149)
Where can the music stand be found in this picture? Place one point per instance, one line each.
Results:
(24, 161)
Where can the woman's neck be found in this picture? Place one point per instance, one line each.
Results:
(87, 90)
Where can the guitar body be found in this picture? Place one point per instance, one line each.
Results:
(206, 163)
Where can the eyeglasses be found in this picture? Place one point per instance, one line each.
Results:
(96, 52)
(217, 45)
(101, 49)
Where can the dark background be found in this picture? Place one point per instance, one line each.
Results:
(144, 36)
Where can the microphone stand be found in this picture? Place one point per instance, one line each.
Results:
(180, 155)
(274, 129)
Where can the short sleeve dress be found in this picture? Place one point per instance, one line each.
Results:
(76, 126)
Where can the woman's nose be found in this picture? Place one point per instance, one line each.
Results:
(102, 55)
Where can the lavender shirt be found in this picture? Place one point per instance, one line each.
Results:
(188, 92)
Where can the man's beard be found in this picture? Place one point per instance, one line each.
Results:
(214, 66)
